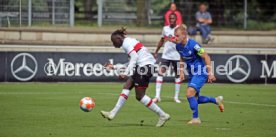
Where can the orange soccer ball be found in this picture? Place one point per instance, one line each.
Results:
(87, 104)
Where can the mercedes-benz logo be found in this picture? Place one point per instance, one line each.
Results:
(23, 66)
(241, 69)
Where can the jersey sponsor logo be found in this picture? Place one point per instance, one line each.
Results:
(27, 68)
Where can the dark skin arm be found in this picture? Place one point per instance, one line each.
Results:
(160, 44)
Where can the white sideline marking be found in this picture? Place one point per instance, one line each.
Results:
(230, 102)
(29, 93)
(253, 104)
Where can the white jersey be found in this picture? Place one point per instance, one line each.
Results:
(144, 56)
(169, 51)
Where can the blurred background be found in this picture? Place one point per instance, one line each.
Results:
(227, 14)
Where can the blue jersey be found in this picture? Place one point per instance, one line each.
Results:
(190, 53)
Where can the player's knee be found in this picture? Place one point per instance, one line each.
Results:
(129, 87)
(188, 95)
(129, 84)
(162, 70)
(190, 92)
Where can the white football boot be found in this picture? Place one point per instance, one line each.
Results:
(177, 100)
(107, 115)
(162, 120)
(194, 121)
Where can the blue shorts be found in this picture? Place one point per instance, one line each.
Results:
(197, 82)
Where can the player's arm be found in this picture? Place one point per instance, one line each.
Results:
(181, 69)
(160, 44)
(207, 61)
(132, 63)
(109, 66)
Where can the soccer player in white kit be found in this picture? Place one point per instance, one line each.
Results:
(142, 65)
(169, 57)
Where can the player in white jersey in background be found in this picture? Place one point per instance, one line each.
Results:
(142, 65)
(169, 57)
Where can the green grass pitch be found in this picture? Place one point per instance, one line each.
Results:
(52, 110)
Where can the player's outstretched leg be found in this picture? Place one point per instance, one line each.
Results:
(193, 105)
(121, 101)
(205, 99)
(159, 82)
(218, 100)
(146, 101)
(177, 90)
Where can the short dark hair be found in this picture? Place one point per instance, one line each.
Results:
(173, 15)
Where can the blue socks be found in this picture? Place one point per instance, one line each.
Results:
(194, 106)
(201, 99)
(205, 99)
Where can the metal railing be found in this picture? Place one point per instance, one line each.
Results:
(226, 14)
(36, 12)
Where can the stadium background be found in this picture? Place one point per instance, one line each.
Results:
(78, 31)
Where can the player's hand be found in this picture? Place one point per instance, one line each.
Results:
(122, 76)
(211, 78)
(108, 66)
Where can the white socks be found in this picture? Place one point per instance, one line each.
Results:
(177, 87)
(121, 101)
(152, 106)
(145, 101)
(159, 81)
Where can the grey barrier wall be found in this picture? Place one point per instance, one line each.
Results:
(80, 67)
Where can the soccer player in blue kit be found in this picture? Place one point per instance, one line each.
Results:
(199, 70)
